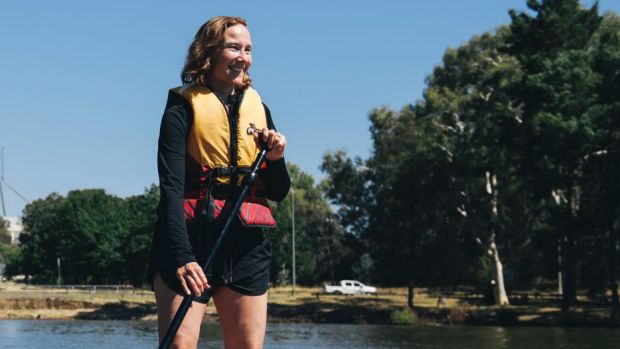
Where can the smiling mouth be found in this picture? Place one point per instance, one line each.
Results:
(236, 70)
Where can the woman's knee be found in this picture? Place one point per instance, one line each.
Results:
(184, 340)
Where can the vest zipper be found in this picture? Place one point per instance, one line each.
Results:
(232, 114)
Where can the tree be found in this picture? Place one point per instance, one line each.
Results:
(405, 206)
(432, 178)
(347, 185)
(559, 94)
(138, 235)
(104, 239)
(83, 230)
(601, 207)
(43, 224)
(469, 99)
(10, 255)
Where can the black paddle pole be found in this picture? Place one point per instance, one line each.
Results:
(248, 181)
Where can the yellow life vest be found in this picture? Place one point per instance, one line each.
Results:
(208, 142)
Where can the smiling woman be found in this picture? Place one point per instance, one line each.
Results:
(204, 152)
(231, 37)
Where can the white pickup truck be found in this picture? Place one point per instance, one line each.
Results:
(350, 287)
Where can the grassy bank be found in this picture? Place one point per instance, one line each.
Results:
(38, 302)
(306, 305)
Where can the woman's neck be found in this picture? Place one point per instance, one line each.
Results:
(222, 92)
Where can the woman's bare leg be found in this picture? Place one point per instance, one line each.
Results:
(168, 302)
(243, 318)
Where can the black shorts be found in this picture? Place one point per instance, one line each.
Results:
(241, 265)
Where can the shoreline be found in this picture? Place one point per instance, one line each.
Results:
(307, 305)
(53, 308)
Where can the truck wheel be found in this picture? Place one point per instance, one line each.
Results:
(337, 293)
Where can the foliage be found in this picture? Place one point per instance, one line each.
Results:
(97, 237)
(513, 145)
(100, 238)
(323, 248)
(11, 256)
(565, 123)
(403, 317)
(136, 247)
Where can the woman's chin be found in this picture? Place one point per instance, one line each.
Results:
(238, 83)
(236, 78)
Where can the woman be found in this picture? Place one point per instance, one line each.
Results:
(205, 147)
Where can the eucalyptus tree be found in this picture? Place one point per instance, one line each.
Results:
(399, 201)
(430, 188)
(468, 97)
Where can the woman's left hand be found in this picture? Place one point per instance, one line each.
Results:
(276, 142)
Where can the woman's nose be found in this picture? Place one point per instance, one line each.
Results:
(243, 56)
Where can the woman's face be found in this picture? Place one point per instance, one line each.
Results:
(231, 62)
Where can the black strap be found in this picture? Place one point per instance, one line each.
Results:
(229, 171)
(215, 189)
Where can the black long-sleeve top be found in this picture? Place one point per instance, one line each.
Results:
(172, 240)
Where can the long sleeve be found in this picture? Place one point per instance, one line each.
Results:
(276, 174)
(176, 122)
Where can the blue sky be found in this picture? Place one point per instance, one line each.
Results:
(83, 84)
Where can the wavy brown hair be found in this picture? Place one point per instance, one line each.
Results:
(207, 41)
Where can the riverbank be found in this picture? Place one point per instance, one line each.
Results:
(307, 305)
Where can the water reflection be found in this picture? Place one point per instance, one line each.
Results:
(142, 334)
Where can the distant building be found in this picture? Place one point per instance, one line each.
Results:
(15, 228)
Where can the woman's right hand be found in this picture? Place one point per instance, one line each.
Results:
(192, 278)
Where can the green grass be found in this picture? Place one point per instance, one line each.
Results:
(309, 305)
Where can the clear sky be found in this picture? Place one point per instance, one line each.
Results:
(83, 83)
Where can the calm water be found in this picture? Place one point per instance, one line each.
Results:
(141, 334)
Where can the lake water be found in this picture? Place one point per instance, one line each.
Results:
(142, 334)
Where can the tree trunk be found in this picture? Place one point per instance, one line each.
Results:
(613, 285)
(560, 267)
(331, 264)
(569, 295)
(410, 290)
(569, 272)
(499, 289)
